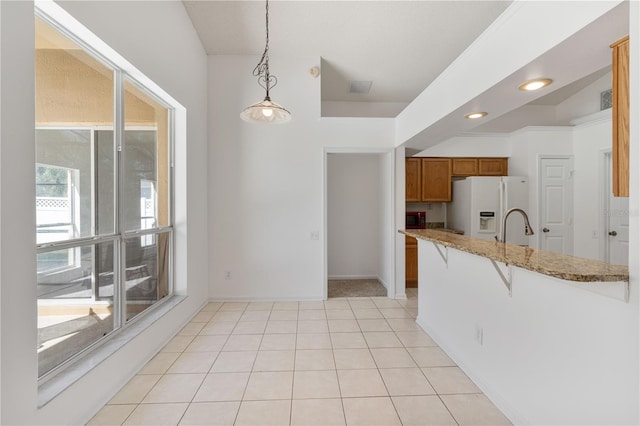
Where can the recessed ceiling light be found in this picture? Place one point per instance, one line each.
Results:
(535, 84)
(473, 115)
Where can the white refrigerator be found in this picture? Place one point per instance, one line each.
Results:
(479, 203)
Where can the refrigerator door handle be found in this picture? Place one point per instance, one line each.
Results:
(501, 206)
(505, 191)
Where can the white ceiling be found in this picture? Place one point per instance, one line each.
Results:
(402, 46)
(399, 45)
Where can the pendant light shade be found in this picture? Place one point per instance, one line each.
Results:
(266, 111)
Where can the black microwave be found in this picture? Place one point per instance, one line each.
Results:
(416, 220)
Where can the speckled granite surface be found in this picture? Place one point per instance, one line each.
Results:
(547, 263)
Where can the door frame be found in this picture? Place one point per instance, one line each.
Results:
(605, 170)
(539, 194)
(603, 202)
(390, 232)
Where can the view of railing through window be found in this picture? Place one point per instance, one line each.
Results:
(103, 197)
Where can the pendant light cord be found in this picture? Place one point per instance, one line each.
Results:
(266, 80)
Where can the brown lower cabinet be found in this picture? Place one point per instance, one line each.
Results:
(411, 262)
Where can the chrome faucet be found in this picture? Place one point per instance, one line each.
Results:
(527, 225)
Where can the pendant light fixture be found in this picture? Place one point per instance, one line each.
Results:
(266, 111)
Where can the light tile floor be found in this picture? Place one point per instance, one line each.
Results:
(350, 361)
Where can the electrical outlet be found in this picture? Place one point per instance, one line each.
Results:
(479, 335)
(227, 275)
(315, 235)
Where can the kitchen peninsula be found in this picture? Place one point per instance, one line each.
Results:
(547, 337)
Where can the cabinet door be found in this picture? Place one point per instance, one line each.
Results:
(436, 179)
(464, 166)
(412, 180)
(411, 262)
(493, 166)
(620, 118)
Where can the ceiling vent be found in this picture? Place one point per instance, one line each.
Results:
(361, 87)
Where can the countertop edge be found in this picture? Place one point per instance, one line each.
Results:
(444, 239)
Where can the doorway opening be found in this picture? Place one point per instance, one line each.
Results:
(359, 223)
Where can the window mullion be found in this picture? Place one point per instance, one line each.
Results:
(119, 255)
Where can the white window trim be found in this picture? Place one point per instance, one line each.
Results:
(67, 24)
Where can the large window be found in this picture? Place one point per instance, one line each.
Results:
(103, 198)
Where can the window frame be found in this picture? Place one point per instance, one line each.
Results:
(122, 72)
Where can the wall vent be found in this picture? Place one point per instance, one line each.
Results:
(606, 99)
(360, 86)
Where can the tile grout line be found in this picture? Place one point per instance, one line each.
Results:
(246, 386)
(293, 375)
(161, 376)
(396, 330)
(344, 413)
(205, 375)
(380, 374)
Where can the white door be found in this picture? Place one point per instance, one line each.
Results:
(616, 231)
(556, 205)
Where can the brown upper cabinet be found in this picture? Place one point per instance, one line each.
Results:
(493, 167)
(429, 179)
(620, 117)
(413, 179)
(436, 179)
(463, 167)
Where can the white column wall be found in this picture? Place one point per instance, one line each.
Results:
(386, 224)
(400, 222)
(179, 67)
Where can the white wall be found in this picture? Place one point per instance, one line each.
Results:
(527, 146)
(470, 145)
(362, 109)
(166, 49)
(386, 222)
(552, 352)
(399, 220)
(585, 102)
(266, 183)
(353, 215)
(438, 110)
(634, 176)
(434, 211)
(590, 141)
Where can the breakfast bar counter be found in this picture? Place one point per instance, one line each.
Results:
(560, 338)
(552, 264)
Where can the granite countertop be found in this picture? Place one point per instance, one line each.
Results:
(544, 262)
(439, 226)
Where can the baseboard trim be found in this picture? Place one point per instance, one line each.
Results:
(354, 277)
(491, 393)
(265, 299)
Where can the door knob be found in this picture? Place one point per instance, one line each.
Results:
(613, 233)
(545, 229)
